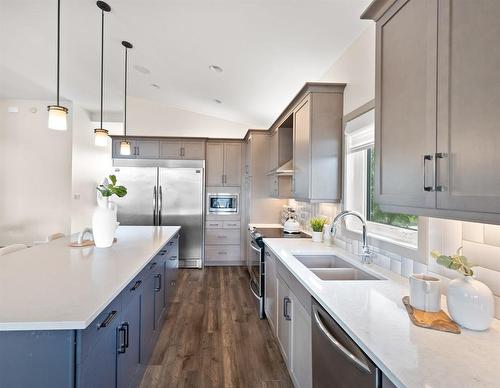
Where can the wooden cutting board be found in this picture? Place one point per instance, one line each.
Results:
(85, 243)
(435, 321)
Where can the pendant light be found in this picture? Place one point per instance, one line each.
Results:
(125, 144)
(101, 134)
(57, 113)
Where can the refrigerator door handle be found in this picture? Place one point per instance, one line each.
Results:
(161, 205)
(154, 205)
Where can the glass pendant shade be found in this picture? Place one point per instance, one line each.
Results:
(101, 137)
(124, 147)
(58, 117)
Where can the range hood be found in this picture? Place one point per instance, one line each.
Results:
(283, 170)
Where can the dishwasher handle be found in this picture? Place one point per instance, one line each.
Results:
(351, 357)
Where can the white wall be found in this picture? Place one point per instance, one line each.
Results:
(152, 119)
(91, 164)
(35, 174)
(356, 67)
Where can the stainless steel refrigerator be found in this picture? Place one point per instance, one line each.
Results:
(165, 193)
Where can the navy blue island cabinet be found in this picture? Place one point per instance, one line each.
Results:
(113, 351)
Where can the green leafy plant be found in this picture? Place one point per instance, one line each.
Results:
(317, 223)
(457, 262)
(108, 188)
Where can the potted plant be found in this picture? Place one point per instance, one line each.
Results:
(470, 302)
(317, 224)
(104, 221)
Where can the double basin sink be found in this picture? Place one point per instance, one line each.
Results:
(333, 268)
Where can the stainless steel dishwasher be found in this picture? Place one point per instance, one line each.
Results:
(336, 359)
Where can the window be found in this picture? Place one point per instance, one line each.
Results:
(401, 229)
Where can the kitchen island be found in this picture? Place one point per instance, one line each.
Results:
(85, 317)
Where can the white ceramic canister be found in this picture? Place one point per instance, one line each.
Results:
(470, 303)
(425, 292)
(104, 223)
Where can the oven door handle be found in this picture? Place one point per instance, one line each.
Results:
(254, 292)
(256, 249)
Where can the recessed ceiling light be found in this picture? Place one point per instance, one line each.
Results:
(142, 69)
(216, 68)
(216, 100)
(156, 86)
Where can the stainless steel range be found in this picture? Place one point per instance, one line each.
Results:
(256, 259)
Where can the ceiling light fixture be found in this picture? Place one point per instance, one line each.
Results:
(216, 69)
(125, 144)
(142, 69)
(101, 134)
(57, 113)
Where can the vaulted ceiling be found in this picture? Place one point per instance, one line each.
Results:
(267, 49)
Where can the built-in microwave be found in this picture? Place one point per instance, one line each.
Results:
(222, 203)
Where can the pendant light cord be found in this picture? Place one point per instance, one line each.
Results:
(58, 44)
(102, 61)
(125, 106)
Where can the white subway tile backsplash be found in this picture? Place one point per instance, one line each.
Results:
(406, 267)
(487, 256)
(492, 235)
(473, 232)
(419, 267)
(488, 277)
(395, 266)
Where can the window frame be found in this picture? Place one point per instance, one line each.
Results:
(397, 246)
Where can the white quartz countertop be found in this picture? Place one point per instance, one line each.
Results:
(372, 313)
(56, 287)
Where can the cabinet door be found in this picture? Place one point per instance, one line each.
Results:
(171, 149)
(300, 353)
(147, 318)
(128, 338)
(302, 151)
(159, 281)
(405, 124)
(248, 157)
(270, 291)
(193, 150)
(148, 149)
(232, 164)
(283, 320)
(468, 106)
(215, 164)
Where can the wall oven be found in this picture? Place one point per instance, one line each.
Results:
(222, 203)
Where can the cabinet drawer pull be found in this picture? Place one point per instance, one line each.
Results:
(158, 276)
(152, 265)
(222, 253)
(108, 319)
(213, 224)
(221, 236)
(427, 188)
(121, 339)
(173, 258)
(136, 285)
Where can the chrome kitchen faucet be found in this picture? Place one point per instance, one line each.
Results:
(366, 255)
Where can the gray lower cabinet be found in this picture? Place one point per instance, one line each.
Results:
(113, 351)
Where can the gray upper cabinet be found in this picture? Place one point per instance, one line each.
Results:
(224, 164)
(437, 98)
(147, 149)
(182, 149)
(317, 142)
(468, 106)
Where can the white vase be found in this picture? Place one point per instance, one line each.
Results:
(317, 236)
(104, 223)
(470, 303)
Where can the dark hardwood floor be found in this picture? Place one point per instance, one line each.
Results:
(213, 336)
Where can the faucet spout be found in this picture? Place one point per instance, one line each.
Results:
(366, 255)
